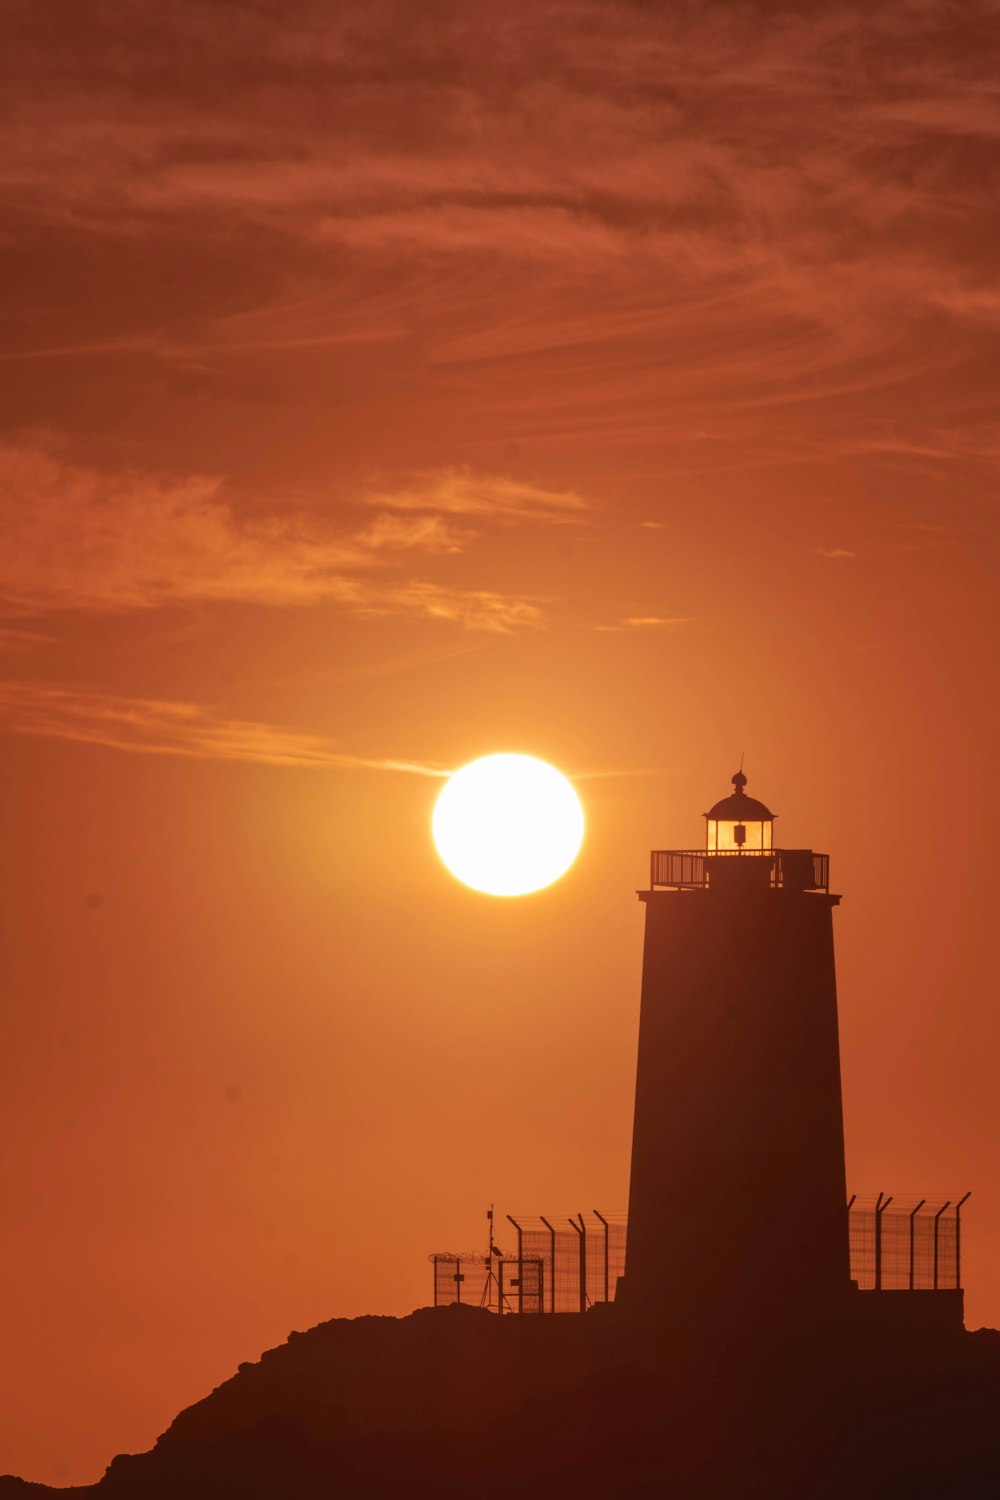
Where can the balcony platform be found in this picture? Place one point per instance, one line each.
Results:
(691, 869)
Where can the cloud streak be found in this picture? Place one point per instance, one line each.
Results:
(646, 622)
(155, 726)
(151, 726)
(459, 492)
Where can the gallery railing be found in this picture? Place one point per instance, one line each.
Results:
(691, 869)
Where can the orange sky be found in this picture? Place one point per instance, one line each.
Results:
(384, 386)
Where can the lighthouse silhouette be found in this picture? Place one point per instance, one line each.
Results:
(737, 1204)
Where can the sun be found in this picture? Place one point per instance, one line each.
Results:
(508, 825)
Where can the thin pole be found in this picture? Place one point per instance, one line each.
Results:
(552, 1274)
(958, 1239)
(520, 1265)
(607, 1255)
(582, 1268)
(878, 1244)
(880, 1209)
(487, 1289)
(583, 1265)
(936, 1218)
(913, 1216)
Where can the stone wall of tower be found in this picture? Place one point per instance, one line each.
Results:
(737, 1203)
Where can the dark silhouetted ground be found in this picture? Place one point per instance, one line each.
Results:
(457, 1402)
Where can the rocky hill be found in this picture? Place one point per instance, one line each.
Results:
(457, 1402)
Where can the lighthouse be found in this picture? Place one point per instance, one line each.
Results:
(737, 1199)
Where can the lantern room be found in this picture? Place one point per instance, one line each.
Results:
(739, 824)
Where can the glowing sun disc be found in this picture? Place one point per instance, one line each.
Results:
(508, 825)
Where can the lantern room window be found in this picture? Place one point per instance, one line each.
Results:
(739, 824)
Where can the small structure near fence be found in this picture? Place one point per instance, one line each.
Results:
(500, 1283)
(560, 1264)
(569, 1263)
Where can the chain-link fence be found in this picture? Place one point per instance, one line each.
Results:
(583, 1256)
(905, 1244)
(568, 1263)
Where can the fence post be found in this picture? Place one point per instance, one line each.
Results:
(607, 1255)
(937, 1217)
(958, 1239)
(520, 1265)
(552, 1244)
(581, 1230)
(880, 1209)
(913, 1217)
(583, 1265)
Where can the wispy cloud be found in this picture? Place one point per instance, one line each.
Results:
(567, 251)
(153, 726)
(647, 622)
(834, 553)
(426, 533)
(584, 256)
(21, 638)
(77, 539)
(476, 609)
(460, 492)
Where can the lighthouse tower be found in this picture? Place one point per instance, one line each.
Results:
(737, 1204)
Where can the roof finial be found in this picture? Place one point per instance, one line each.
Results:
(739, 780)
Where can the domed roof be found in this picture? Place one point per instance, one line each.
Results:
(739, 808)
